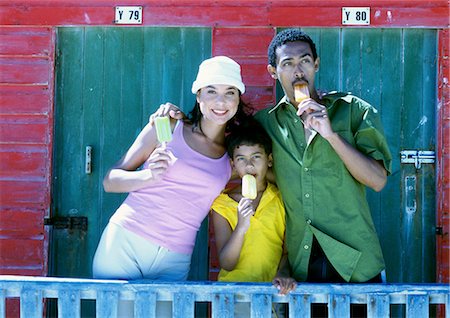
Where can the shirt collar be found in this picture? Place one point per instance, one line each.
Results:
(283, 102)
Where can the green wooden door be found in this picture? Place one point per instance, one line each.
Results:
(109, 80)
(395, 70)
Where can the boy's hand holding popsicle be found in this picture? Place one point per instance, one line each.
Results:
(245, 207)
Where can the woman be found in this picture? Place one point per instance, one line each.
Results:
(152, 234)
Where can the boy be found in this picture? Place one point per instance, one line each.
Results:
(250, 233)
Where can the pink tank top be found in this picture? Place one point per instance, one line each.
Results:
(170, 212)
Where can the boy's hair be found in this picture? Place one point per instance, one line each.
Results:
(249, 133)
(285, 36)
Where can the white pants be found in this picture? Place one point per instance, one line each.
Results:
(121, 254)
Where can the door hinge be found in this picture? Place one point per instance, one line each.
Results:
(417, 157)
(71, 223)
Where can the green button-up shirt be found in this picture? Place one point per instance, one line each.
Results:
(321, 197)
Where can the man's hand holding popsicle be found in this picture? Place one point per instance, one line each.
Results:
(314, 115)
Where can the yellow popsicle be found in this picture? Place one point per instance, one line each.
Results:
(163, 129)
(301, 92)
(249, 187)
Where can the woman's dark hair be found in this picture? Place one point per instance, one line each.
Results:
(248, 133)
(285, 36)
(243, 113)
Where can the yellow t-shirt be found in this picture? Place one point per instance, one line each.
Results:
(263, 243)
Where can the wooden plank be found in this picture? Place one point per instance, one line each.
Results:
(378, 305)
(250, 13)
(391, 107)
(252, 41)
(372, 91)
(417, 306)
(21, 252)
(25, 128)
(23, 165)
(351, 60)
(26, 41)
(183, 305)
(329, 76)
(338, 305)
(24, 70)
(300, 305)
(69, 304)
(19, 99)
(223, 305)
(261, 305)
(27, 194)
(107, 304)
(31, 223)
(2, 303)
(145, 304)
(69, 100)
(31, 303)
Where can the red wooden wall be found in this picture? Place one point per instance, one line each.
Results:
(26, 124)
(241, 29)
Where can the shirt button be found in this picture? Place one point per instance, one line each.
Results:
(307, 195)
(306, 169)
(306, 247)
(308, 221)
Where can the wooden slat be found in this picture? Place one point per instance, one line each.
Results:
(30, 220)
(183, 305)
(338, 306)
(223, 305)
(378, 305)
(145, 304)
(69, 305)
(261, 305)
(417, 306)
(24, 164)
(24, 253)
(31, 303)
(25, 129)
(300, 305)
(2, 303)
(107, 304)
(27, 194)
(254, 13)
(19, 99)
(252, 41)
(25, 41)
(26, 70)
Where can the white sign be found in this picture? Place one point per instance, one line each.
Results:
(128, 15)
(356, 16)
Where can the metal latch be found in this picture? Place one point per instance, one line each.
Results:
(417, 157)
(71, 223)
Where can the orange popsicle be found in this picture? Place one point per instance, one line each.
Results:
(301, 92)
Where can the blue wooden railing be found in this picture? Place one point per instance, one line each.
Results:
(379, 298)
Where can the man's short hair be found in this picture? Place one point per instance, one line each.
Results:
(285, 36)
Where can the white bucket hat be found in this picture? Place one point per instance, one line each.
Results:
(218, 70)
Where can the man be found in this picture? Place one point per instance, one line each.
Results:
(326, 150)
